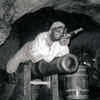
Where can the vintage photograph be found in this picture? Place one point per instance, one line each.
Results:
(49, 49)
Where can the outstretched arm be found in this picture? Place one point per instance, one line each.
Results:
(20, 56)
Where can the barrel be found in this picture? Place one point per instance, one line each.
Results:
(76, 84)
(64, 64)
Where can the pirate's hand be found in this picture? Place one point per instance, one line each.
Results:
(12, 66)
(64, 40)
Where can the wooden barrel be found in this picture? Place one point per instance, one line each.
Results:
(76, 85)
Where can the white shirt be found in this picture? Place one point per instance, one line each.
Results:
(40, 48)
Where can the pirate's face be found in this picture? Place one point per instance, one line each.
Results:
(57, 33)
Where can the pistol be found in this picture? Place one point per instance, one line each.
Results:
(73, 33)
